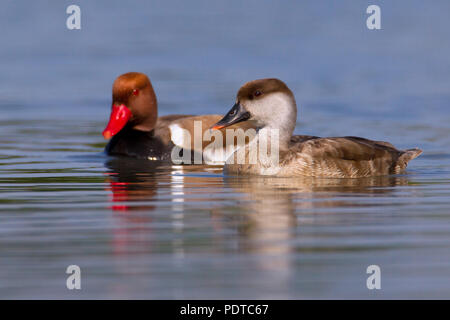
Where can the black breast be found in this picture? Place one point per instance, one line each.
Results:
(138, 144)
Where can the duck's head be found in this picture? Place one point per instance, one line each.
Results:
(265, 102)
(133, 103)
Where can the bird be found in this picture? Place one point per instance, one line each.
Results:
(270, 106)
(135, 130)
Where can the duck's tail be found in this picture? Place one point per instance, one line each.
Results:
(411, 154)
(407, 156)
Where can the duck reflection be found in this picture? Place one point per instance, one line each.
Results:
(272, 207)
(132, 183)
(159, 207)
(137, 187)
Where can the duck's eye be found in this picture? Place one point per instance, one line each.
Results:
(257, 93)
(135, 92)
(233, 112)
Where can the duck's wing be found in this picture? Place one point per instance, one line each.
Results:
(349, 157)
(302, 138)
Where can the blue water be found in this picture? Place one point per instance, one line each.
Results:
(152, 230)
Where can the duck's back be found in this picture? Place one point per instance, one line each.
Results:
(343, 157)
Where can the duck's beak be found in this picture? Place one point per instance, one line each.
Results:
(235, 115)
(118, 119)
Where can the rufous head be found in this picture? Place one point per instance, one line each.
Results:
(133, 102)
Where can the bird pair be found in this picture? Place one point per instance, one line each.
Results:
(267, 108)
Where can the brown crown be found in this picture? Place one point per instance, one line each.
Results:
(257, 89)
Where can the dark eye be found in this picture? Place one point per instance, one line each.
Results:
(135, 92)
(233, 112)
(257, 93)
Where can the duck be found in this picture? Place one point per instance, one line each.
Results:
(135, 130)
(271, 107)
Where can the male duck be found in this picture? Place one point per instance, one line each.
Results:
(136, 130)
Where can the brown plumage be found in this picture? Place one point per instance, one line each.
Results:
(269, 105)
(344, 157)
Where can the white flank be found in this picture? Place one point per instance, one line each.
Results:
(179, 137)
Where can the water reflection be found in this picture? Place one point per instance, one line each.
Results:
(161, 208)
(271, 206)
(131, 181)
(137, 187)
(264, 215)
(134, 183)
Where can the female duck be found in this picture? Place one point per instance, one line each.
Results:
(136, 130)
(270, 105)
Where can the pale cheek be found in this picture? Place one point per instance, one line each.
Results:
(275, 109)
(269, 109)
(255, 109)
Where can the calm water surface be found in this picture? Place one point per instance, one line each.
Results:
(144, 229)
